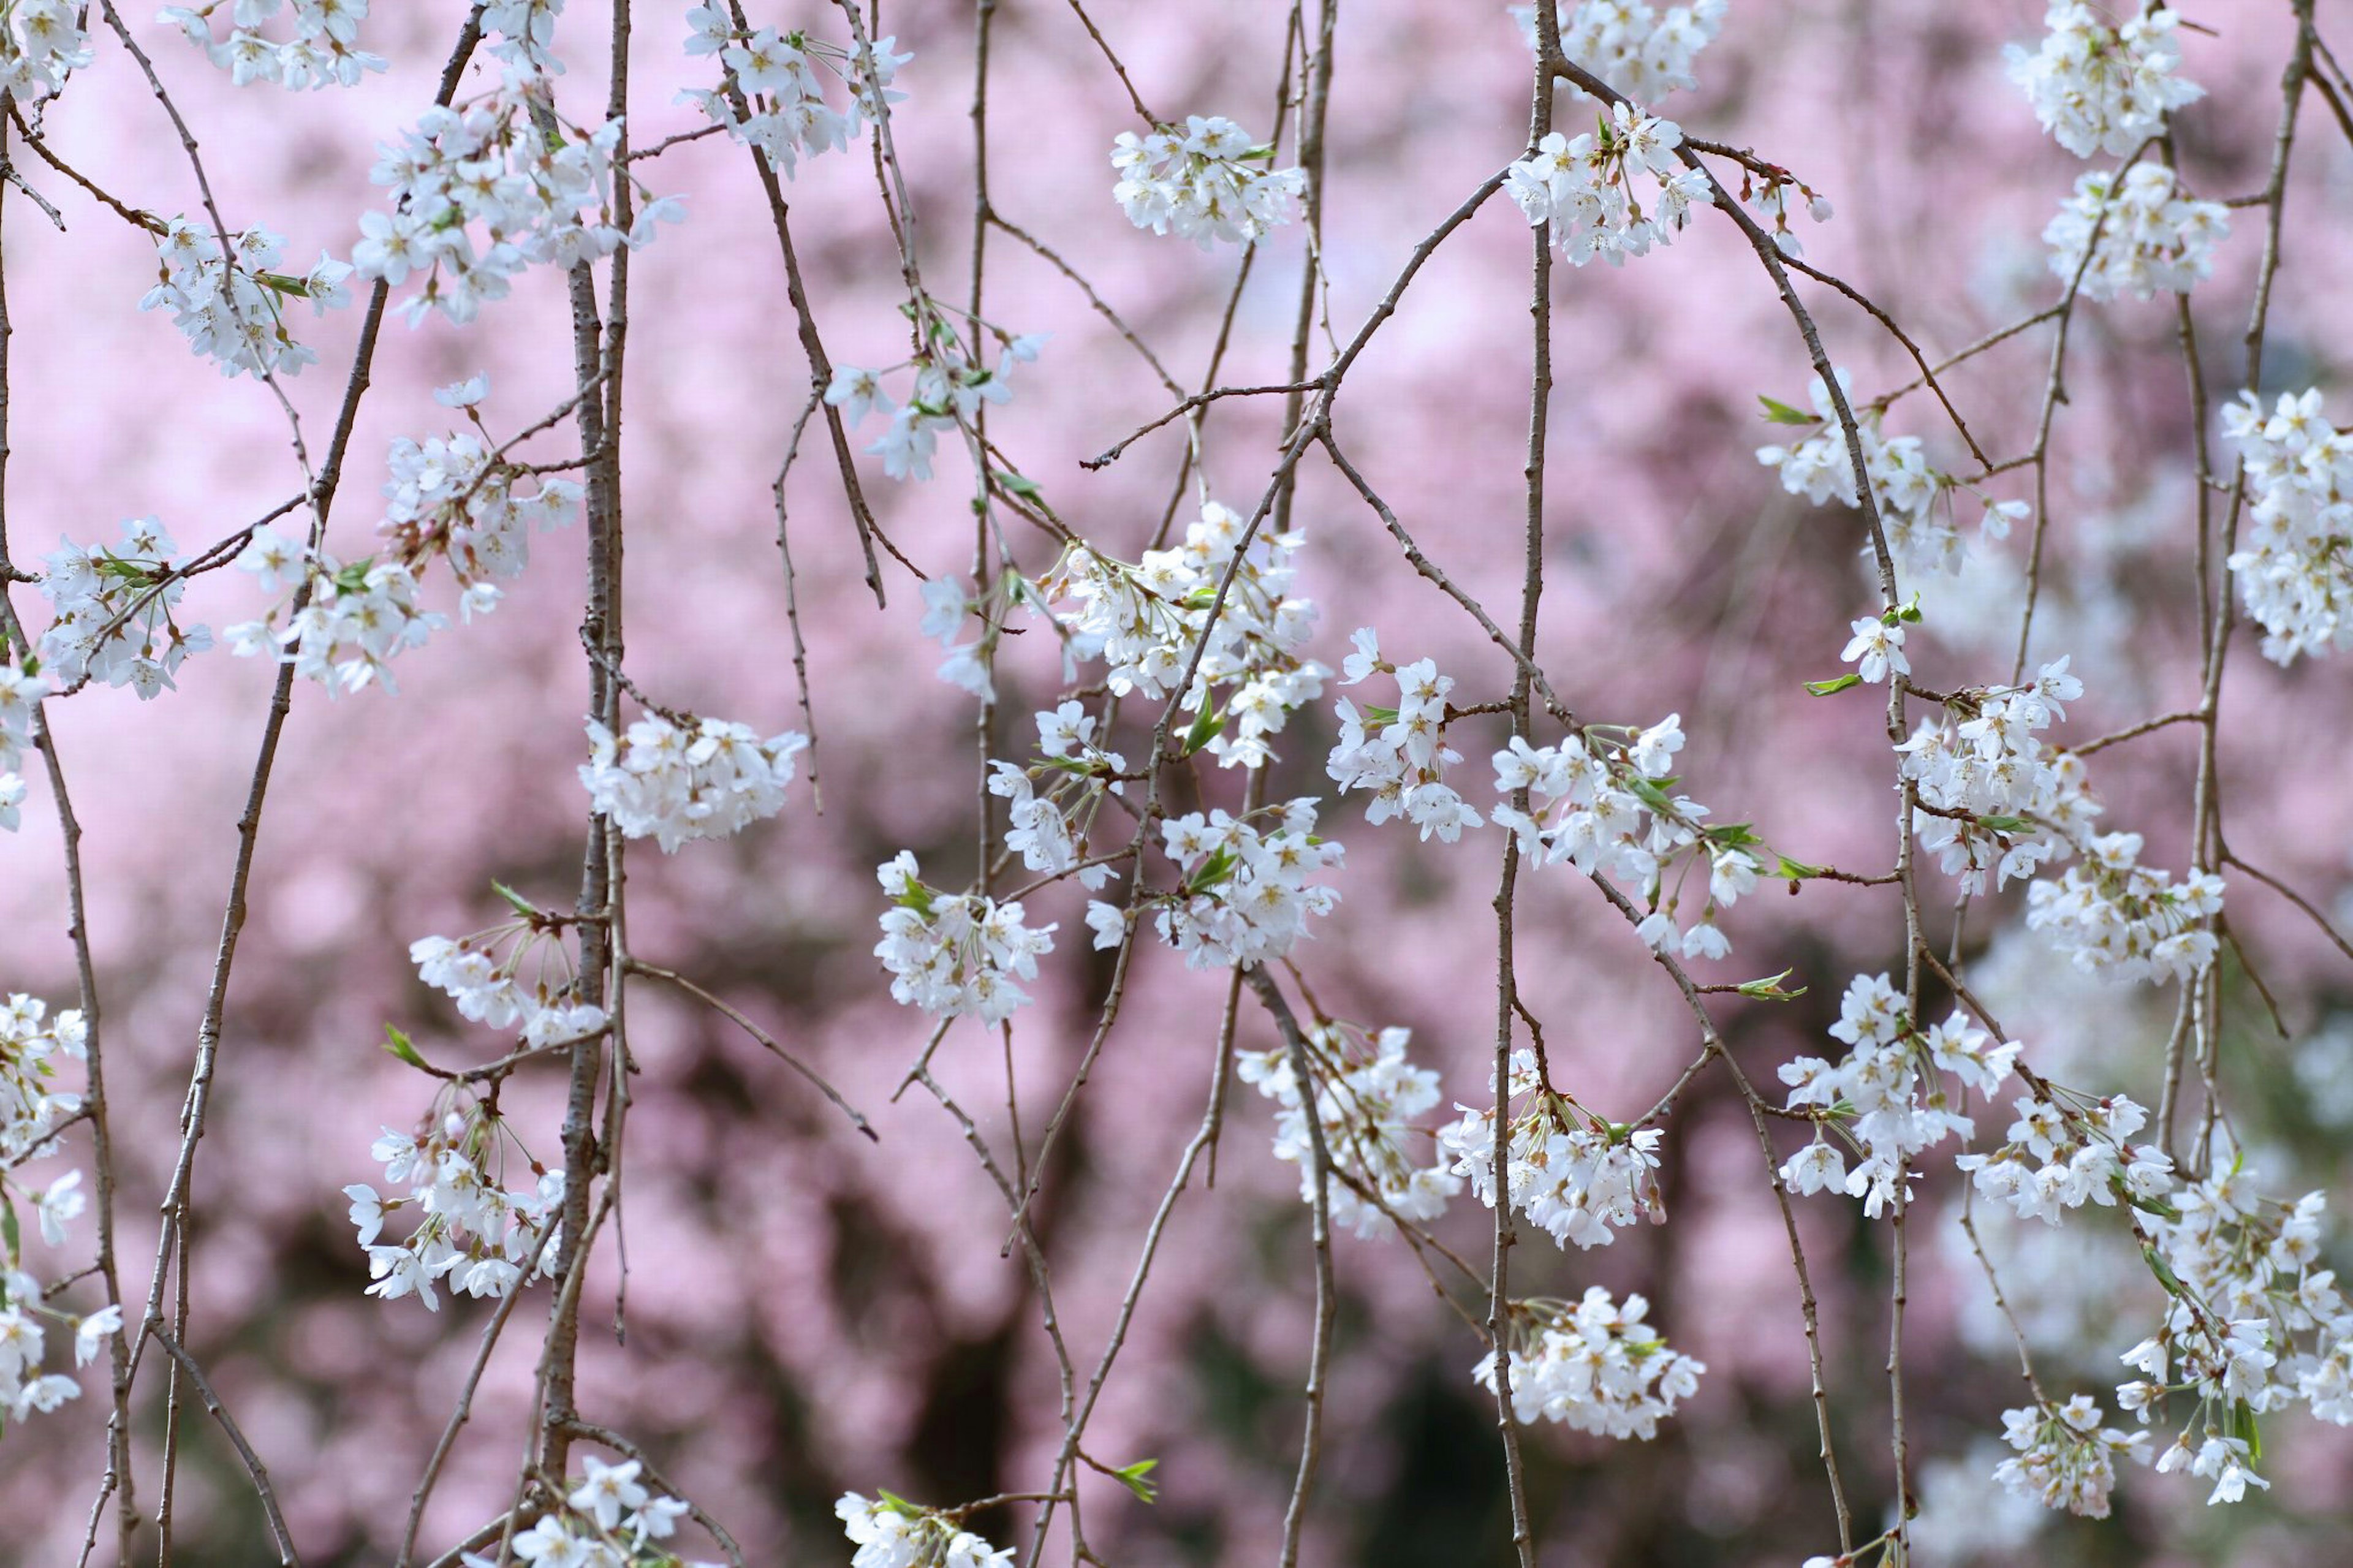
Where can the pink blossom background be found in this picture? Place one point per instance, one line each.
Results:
(807, 1312)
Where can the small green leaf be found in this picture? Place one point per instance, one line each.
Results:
(1132, 1478)
(397, 1044)
(1769, 988)
(1212, 871)
(2244, 1428)
(1017, 484)
(521, 905)
(1832, 687)
(2004, 824)
(1797, 871)
(2162, 1269)
(9, 1234)
(1205, 729)
(1780, 413)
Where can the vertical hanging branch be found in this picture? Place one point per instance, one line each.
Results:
(15, 642)
(1499, 1306)
(597, 346)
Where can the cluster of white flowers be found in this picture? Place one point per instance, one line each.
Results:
(1049, 831)
(1245, 898)
(229, 304)
(2294, 560)
(481, 192)
(473, 1232)
(676, 779)
(451, 497)
(1595, 1364)
(1585, 186)
(522, 32)
(612, 1520)
(1577, 1176)
(2151, 235)
(358, 618)
(31, 1108)
(2252, 1323)
(454, 495)
(489, 990)
(2065, 1458)
(1402, 758)
(40, 41)
(2115, 917)
(1206, 182)
(2102, 88)
(955, 953)
(950, 388)
(21, 691)
(892, 1532)
(1914, 501)
(322, 52)
(112, 612)
(2085, 1157)
(778, 80)
(1599, 801)
(1885, 1098)
(1366, 1095)
(1996, 798)
(1632, 47)
(1144, 620)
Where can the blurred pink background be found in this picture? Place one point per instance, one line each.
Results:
(807, 1312)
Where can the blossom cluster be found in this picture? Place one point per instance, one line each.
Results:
(2084, 1157)
(955, 953)
(612, 1520)
(2294, 560)
(1599, 801)
(455, 496)
(1207, 182)
(1365, 1094)
(1575, 1175)
(1585, 186)
(2253, 1322)
(482, 190)
(2101, 86)
(40, 42)
(950, 387)
(2064, 1458)
(479, 1236)
(1913, 500)
(1148, 622)
(322, 52)
(451, 497)
(1594, 1365)
(1245, 897)
(1885, 1098)
(489, 989)
(32, 1108)
(892, 1532)
(112, 612)
(21, 690)
(2115, 917)
(1399, 754)
(1993, 796)
(228, 300)
(773, 95)
(673, 779)
(1048, 831)
(1633, 46)
(2151, 235)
